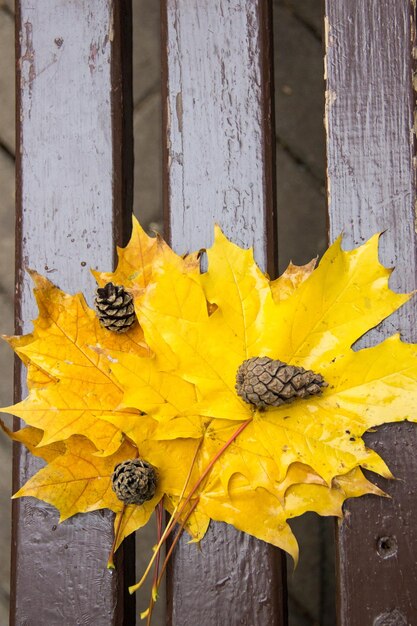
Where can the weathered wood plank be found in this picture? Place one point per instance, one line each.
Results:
(73, 194)
(7, 118)
(371, 185)
(219, 168)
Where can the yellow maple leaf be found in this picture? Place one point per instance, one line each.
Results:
(262, 513)
(69, 381)
(35, 378)
(166, 388)
(284, 286)
(334, 306)
(31, 438)
(210, 348)
(342, 299)
(135, 261)
(78, 481)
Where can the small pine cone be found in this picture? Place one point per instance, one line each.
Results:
(115, 308)
(134, 482)
(264, 382)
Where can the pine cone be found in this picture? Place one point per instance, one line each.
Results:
(264, 382)
(134, 482)
(115, 308)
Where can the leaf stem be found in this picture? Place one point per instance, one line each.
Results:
(187, 480)
(210, 466)
(110, 562)
(168, 528)
(154, 591)
(179, 509)
(213, 461)
(174, 543)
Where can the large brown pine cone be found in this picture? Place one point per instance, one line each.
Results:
(115, 308)
(264, 382)
(134, 482)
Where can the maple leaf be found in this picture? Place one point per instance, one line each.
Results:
(319, 316)
(166, 388)
(250, 509)
(284, 286)
(69, 382)
(78, 481)
(31, 438)
(136, 262)
(209, 349)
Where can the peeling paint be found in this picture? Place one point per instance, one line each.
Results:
(414, 85)
(328, 188)
(168, 133)
(110, 33)
(179, 110)
(92, 57)
(326, 43)
(330, 97)
(413, 31)
(415, 216)
(29, 57)
(326, 31)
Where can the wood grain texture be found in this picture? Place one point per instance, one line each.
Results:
(73, 195)
(371, 186)
(218, 151)
(218, 168)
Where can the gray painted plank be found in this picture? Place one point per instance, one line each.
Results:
(72, 188)
(371, 186)
(218, 168)
(215, 119)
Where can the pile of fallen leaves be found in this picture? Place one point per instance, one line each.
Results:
(164, 391)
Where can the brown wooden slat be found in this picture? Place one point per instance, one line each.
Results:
(74, 193)
(218, 168)
(371, 186)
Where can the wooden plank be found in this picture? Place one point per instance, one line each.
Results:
(7, 78)
(74, 168)
(218, 167)
(371, 186)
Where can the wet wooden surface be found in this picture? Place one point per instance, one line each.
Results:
(372, 187)
(218, 167)
(73, 191)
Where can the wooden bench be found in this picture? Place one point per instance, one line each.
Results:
(74, 199)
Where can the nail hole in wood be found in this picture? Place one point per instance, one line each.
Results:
(387, 547)
(391, 618)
